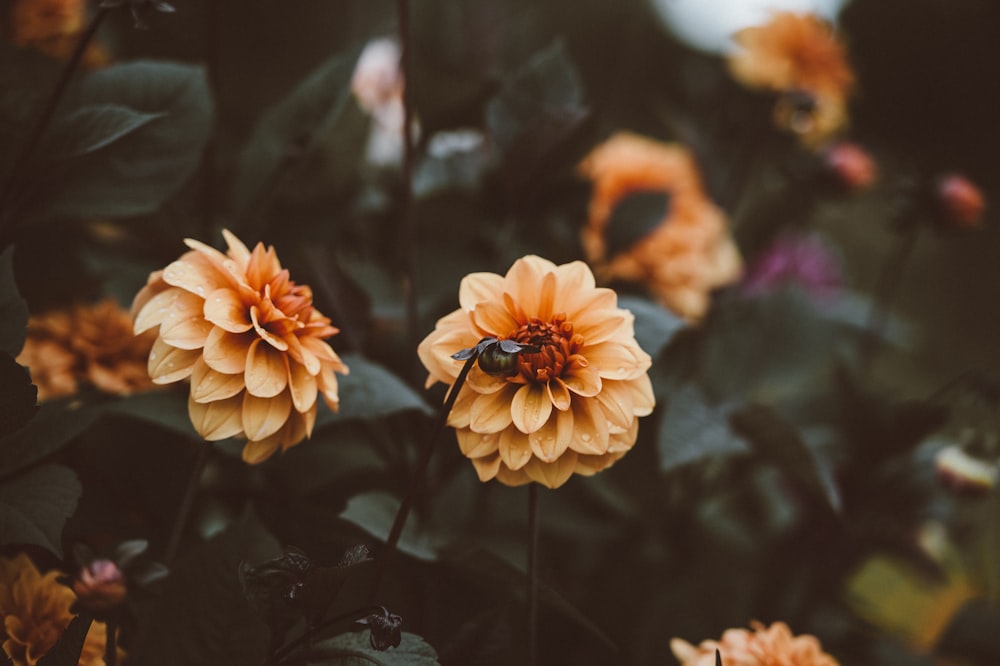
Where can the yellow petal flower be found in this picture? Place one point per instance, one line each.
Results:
(551, 417)
(249, 339)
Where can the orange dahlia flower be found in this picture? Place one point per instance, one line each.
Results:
(248, 338)
(35, 611)
(86, 344)
(689, 253)
(572, 406)
(54, 27)
(800, 57)
(764, 646)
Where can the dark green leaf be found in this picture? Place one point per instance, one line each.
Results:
(54, 425)
(287, 131)
(139, 170)
(634, 217)
(13, 309)
(775, 439)
(34, 506)
(90, 128)
(67, 650)
(354, 648)
(374, 512)
(655, 326)
(202, 615)
(370, 392)
(165, 408)
(17, 396)
(692, 429)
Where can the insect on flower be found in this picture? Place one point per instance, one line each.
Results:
(497, 358)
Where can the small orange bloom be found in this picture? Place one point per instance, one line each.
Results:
(962, 203)
(35, 611)
(86, 344)
(764, 646)
(54, 27)
(800, 57)
(248, 338)
(572, 406)
(689, 253)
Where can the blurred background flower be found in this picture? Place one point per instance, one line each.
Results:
(763, 646)
(54, 27)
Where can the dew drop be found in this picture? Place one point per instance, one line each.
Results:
(200, 290)
(152, 356)
(585, 437)
(621, 371)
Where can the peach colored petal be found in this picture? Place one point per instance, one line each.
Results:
(460, 415)
(303, 356)
(552, 439)
(583, 380)
(487, 466)
(478, 288)
(227, 352)
(326, 383)
(266, 373)
(523, 281)
(262, 266)
(239, 252)
(515, 451)
(156, 309)
(605, 326)
(493, 320)
(512, 478)
(477, 445)
(225, 309)
(190, 333)
(196, 274)
(271, 339)
(302, 386)
(217, 420)
(263, 417)
(641, 392)
(530, 408)
(480, 382)
(320, 349)
(614, 360)
(590, 428)
(573, 278)
(546, 297)
(615, 401)
(207, 385)
(558, 393)
(153, 287)
(491, 412)
(168, 364)
(553, 474)
(257, 452)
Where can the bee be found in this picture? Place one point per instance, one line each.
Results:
(497, 358)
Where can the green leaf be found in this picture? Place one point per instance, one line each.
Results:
(634, 217)
(166, 408)
(693, 429)
(370, 392)
(35, 505)
(354, 649)
(774, 438)
(288, 130)
(17, 395)
(202, 615)
(13, 309)
(374, 513)
(655, 326)
(69, 647)
(54, 425)
(90, 128)
(137, 171)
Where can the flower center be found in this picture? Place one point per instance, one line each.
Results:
(559, 349)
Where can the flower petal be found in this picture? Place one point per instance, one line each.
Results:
(582, 380)
(225, 309)
(559, 394)
(590, 428)
(530, 408)
(477, 445)
(610, 325)
(256, 452)
(512, 478)
(266, 374)
(614, 360)
(487, 466)
(169, 364)
(493, 319)
(480, 382)
(227, 352)
(515, 451)
(478, 288)
(271, 339)
(491, 412)
(615, 401)
(641, 391)
(237, 250)
(460, 415)
(302, 387)
(553, 474)
(217, 420)
(302, 355)
(551, 440)
(263, 417)
(156, 309)
(187, 333)
(195, 273)
(207, 385)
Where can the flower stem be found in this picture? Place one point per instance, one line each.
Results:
(278, 656)
(532, 574)
(886, 288)
(187, 502)
(48, 111)
(111, 643)
(406, 233)
(425, 458)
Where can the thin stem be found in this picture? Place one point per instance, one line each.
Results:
(309, 634)
(48, 111)
(111, 643)
(406, 232)
(886, 288)
(187, 502)
(418, 474)
(532, 574)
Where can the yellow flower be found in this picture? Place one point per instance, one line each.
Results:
(800, 57)
(248, 338)
(85, 344)
(572, 406)
(35, 610)
(764, 646)
(689, 253)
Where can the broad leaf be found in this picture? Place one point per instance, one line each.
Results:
(370, 391)
(34, 506)
(17, 395)
(634, 217)
(13, 309)
(90, 128)
(775, 439)
(374, 513)
(165, 408)
(140, 169)
(202, 615)
(54, 425)
(355, 649)
(693, 429)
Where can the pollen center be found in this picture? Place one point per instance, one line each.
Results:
(559, 349)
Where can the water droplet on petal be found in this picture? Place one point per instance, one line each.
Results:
(585, 437)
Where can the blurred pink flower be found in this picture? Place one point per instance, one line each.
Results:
(802, 260)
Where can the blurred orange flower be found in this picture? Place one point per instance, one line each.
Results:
(961, 202)
(34, 612)
(764, 646)
(800, 57)
(571, 407)
(689, 253)
(54, 27)
(86, 344)
(248, 338)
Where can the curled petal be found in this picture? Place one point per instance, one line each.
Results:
(530, 408)
(195, 273)
(188, 333)
(302, 386)
(266, 374)
(641, 393)
(512, 478)
(493, 319)
(262, 417)
(207, 385)
(477, 445)
(617, 361)
(271, 339)
(559, 393)
(258, 451)
(237, 250)
(460, 415)
(326, 383)
(168, 364)
(479, 288)
(583, 380)
(217, 420)
(551, 440)
(590, 428)
(480, 382)
(487, 466)
(157, 308)
(615, 401)
(302, 355)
